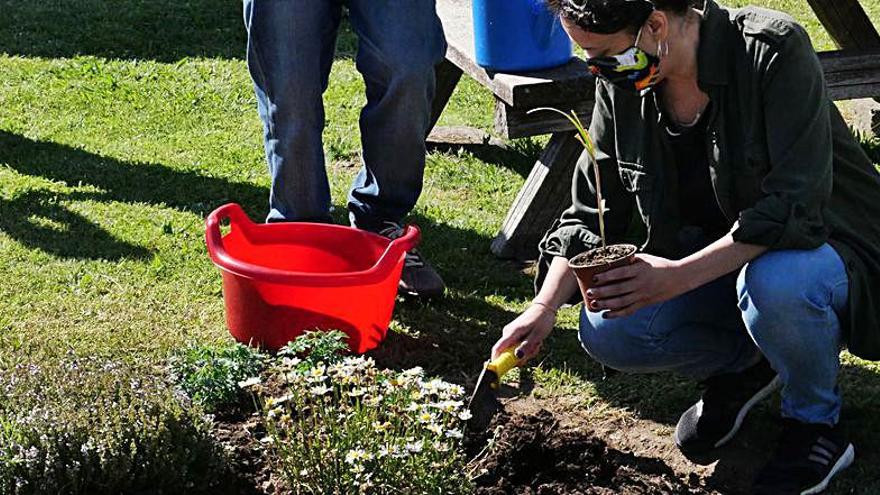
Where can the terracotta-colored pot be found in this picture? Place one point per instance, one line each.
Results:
(585, 269)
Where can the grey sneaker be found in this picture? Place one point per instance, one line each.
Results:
(419, 279)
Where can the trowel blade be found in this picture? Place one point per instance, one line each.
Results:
(483, 404)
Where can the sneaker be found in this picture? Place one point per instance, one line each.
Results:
(807, 457)
(419, 278)
(727, 398)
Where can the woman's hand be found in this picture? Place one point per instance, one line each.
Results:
(526, 332)
(648, 280)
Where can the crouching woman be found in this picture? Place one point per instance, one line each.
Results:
(755, 209)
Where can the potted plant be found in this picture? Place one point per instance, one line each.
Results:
(601, 259)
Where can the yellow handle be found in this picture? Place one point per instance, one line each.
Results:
(502, 364)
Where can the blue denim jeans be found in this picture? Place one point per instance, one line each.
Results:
(291, 44)
(784, 305)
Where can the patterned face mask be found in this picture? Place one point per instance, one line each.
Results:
(634, 70)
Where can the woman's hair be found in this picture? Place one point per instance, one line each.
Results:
(610, 16)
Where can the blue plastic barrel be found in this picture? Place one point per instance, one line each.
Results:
(518, 35)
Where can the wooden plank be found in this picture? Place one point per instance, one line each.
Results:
(849, 27)
(847, 23)
(527, 89)
(851, 74)
(446, 76)
(516, 123)
(546, 193)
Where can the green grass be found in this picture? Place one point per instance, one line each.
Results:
(123, 125)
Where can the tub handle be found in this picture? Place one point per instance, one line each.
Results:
(409, 239)
(213, 236)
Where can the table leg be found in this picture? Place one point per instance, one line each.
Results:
(447, 76)
(546, 193)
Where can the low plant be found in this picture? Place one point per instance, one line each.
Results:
(317, 347)
(209, 374)
(92, 426)
(349, 427)
(870, 142)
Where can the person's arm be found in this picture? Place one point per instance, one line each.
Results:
(797, 185)
(716, 260)
(651, 279)
(528, 330)
(559, 285)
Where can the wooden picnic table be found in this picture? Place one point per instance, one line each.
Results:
(852, 72)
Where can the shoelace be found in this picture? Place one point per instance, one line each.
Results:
(413, 259)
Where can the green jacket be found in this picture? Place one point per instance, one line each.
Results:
(787, 172)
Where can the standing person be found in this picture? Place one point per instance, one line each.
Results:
(290, 52)
(722, 156)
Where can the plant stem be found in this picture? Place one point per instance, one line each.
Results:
(584, 137)
(600, 202)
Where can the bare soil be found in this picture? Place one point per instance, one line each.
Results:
(249, 471)
(538, 454)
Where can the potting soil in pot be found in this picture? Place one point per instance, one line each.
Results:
(602, 255)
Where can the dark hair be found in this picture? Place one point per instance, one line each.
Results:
(610, 16)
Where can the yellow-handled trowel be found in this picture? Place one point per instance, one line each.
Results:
(484, 404)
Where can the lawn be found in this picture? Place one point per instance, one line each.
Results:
(123, 124)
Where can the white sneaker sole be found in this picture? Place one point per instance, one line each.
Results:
(844, 462)
(741, 416)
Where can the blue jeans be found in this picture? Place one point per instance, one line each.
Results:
(784, 305)
(290, 50)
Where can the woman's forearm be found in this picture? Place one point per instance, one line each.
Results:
(559, 285)
(715, 260)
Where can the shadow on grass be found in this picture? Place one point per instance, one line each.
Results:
(39, 220)
(160, 30)
(518, 155)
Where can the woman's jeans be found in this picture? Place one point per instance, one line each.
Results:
(787, 302)
(291, 45)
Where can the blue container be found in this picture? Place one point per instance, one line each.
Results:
(518, 35)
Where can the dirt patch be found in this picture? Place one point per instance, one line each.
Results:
(535, 454)
(247, 462)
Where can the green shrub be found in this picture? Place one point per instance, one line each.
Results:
(209, 374)
(91, 426)
(317, 347)
(349, 427)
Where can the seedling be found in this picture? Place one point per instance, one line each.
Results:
(584, 138)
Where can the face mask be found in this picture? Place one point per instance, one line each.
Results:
(634, 70)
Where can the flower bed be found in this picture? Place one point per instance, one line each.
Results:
(346, 426)
(95, 426)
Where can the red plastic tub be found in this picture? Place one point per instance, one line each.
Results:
(281, 279)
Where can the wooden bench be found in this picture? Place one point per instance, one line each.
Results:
(547, 190)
